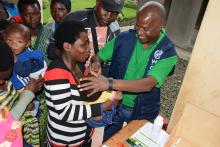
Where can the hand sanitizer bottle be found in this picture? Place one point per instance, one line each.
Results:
(157, 126)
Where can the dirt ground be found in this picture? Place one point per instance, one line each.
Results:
(170, 89)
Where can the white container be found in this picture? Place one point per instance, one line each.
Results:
(157, 127)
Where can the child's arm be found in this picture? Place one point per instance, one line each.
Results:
(26, 97)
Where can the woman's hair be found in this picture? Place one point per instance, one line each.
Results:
(27, 2)
(68, 31)
(6, 56)
(66, 3)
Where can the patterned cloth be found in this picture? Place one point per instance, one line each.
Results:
(30, 129)
(67, 110)
(42, 41)
(8, 99)
(10, 135)
(9, 96)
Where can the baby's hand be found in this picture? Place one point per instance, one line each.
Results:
(35, 85)
(30, 106)
(116, 95)
(95, 68)
(97, 118)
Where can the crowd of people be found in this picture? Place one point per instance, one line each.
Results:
(53, 70)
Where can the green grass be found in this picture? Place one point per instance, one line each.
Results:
(129, 11)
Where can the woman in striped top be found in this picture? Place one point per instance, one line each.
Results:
(67, 110)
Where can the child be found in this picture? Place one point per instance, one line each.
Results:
(9, 97)
(27, 64)
(67, 109)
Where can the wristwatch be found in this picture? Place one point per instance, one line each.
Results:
(110, 84)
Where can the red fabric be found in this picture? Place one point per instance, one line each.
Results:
(56, 145)
(17, 19)
(58, 74)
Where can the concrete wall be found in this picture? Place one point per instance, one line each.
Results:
(201, 84)
(182, 20)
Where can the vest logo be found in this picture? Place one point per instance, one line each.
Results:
(118, 2)
(158, 54)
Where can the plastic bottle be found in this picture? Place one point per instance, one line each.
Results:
(157, 126)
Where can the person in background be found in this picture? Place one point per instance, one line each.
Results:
(104, 14)
(66, 105)
(9, 97)
(30, 12)
(9, 11)
(141, 60)
(58, 9)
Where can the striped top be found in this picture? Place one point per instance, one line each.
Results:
(9, 96)
(67, 112)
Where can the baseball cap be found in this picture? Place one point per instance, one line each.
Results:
(113, 5)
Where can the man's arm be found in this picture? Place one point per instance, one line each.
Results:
(155, 76)
(141, 85)
(101, 83)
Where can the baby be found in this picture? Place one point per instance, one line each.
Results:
(28, 63)
(13, 104)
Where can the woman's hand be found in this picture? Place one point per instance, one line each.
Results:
(35, 85)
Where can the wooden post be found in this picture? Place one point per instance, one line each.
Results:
(201, 84)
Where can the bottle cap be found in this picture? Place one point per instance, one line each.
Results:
(159, 118)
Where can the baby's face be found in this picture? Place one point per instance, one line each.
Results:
(17, 42)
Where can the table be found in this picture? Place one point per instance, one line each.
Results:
(125, 132)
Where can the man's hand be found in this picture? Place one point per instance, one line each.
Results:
(35, 85)
(94, 84)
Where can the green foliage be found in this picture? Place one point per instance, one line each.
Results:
(46, 4)
(130, 4)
